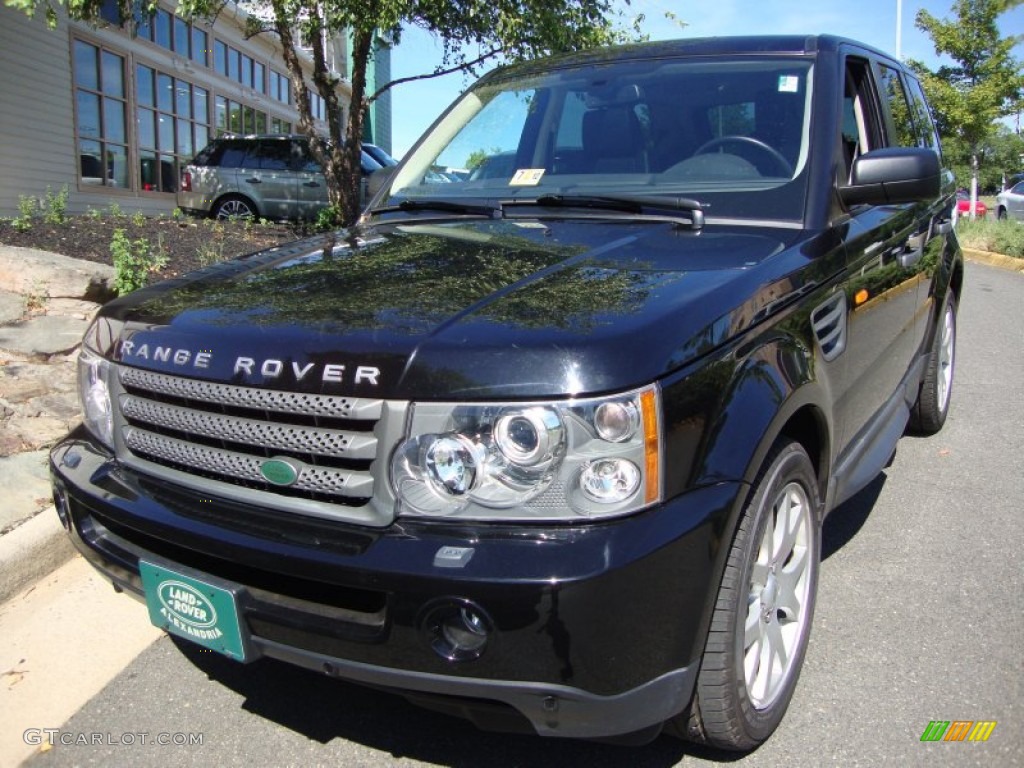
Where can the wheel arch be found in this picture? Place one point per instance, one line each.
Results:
(776, 390)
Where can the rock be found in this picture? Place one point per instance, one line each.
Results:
(18, 390)
(62, 406)
(12, 307)
(35, 273)
(10, 443)
(76, 308)
(38, 433)
(43, 335)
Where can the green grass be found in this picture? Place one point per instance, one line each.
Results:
(989, 234)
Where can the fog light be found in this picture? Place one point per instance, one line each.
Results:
(457, 630)
(60, 503)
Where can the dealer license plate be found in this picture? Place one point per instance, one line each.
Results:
(193, 609)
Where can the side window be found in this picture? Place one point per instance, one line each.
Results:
(927, 135)
(570, 125)
(233, 155)
(861, 126)
(303, 158)
(902, 133)
(274, 155)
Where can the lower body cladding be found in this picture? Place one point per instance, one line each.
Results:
(586, 631)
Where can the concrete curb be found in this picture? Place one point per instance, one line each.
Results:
(31, 551)
(994, 259)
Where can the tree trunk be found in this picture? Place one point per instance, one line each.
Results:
(348, 153)
(974, 185)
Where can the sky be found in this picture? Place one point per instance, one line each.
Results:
(416, 105)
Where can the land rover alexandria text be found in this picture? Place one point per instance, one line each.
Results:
(546, 439)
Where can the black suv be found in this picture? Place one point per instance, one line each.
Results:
(270, 176)
(548, 447)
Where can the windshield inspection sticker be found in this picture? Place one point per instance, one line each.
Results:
(789, 84)
(527, 177)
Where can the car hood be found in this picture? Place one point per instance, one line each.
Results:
(470, 309)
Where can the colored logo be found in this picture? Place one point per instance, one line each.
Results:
(958, 730)
(279, 472)
(187, 604)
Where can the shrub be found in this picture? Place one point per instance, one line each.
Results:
(328, 218)
(133, 262)
(56, 206)
(27, 208)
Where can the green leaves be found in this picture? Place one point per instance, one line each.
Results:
(985, 82)
(982, 84)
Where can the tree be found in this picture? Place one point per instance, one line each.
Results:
(984, 84)
(493, 30)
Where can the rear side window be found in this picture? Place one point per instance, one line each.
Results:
(912, 124)
(927, 135)
(902, 132)
(232, 155)
(205, 155)
(273, 155)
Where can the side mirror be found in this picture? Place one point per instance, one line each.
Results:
(893, 175)
(378, 179)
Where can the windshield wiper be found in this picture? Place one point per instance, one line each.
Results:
(447, 206)
(639, 204)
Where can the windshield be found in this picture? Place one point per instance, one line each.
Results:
(730, 133)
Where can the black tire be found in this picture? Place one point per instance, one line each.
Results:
(234, 207)
(1001, 214)
(737, 704)
(929, 412)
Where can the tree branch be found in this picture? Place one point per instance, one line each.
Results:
(461, 67)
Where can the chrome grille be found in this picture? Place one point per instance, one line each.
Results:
(286, 437)
(211, 435)
(242, 466)
(298, 403)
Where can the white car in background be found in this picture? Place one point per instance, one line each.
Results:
(1010, 202)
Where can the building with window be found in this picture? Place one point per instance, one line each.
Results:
(113, 111)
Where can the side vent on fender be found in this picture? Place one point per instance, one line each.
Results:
(829, 323)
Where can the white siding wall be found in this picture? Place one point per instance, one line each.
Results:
(37, 137)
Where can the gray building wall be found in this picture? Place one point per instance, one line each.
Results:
(39, 125)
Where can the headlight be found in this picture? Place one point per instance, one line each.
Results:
(530, 461)
(93, 370)
(97, 413)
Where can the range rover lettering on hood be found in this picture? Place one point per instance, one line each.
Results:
(249, 367)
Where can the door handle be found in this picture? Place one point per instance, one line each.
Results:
(254, 181)
(311, 184)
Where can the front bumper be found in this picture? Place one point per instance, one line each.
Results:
(596, 630)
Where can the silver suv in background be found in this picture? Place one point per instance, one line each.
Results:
(263, 176)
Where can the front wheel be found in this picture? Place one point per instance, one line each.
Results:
(929, 412)
(762, 617)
